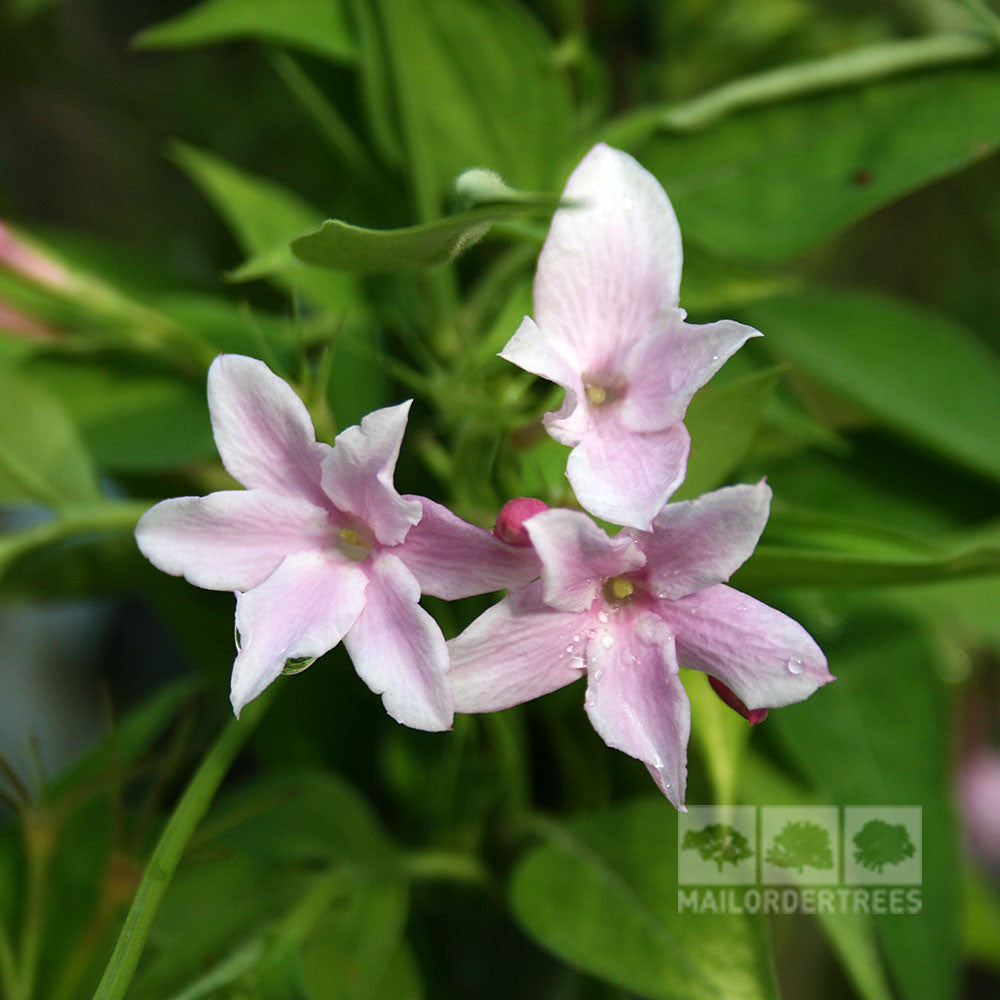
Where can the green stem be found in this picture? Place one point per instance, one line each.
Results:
(185, 818)
(988, 18)
(446, 865)
(71, 521)
(8, 965)
(842, 70)
(39, 841)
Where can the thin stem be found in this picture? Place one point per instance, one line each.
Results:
(107, 516)
(448, 866)
(8, 965)
(185, 818)
(845, 69)
(331, 126)
(39, 842)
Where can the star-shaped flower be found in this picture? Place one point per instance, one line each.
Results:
(607, 328)
(628, 612)
(321, 548)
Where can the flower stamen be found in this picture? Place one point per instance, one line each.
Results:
(596, 394)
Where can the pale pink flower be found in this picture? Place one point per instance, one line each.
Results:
(607, 328)
(979, 799)
(628, 612)
(321, 548)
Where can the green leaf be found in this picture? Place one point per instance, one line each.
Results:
(602, 894)
(132, 420)
(915, 370)
(473, 84)
(773, 181)
(815, 550)
(341, 246)
(880, 736)
(265, 217)
(42, 458)
(358, 943)
(981, 918)
(317, 26)
(723, 422)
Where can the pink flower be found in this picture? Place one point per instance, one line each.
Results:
(979, 799)
(510, 521)
(610, 332)
(321, 548)
(628, 612)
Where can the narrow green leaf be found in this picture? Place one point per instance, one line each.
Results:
(42, 459)
(474, 84)
(341, 246)
(812, 550)
(770, 182)
(317, 26)
(264, 218)
(602, 894)
(723, 422)
(915, 370)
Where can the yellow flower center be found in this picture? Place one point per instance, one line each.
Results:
(597, 394)
(353, 544)
(621, 587)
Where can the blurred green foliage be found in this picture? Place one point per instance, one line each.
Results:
(834, 168)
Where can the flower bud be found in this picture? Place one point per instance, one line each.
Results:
(510, 521)
(752, 715)
(17, 256)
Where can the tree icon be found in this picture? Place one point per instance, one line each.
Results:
(801, 844)
(718, 842)
(879, 844)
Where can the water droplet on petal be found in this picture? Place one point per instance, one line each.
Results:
(607, 640)
(569, 649)
(794, 665)
(695, 611)
(602, 616)
(576, 638)
(741, 607)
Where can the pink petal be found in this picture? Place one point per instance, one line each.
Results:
(753, 715)
(663, 371)
(357, 474)
(517, 650)
(262, 429)
(230, 540)
(625, 477)
(578, 556)
(698, 543)
(300, 611)
(610, 269)
(762, 655)
(636, 701)
(398, 649)
(451, 558)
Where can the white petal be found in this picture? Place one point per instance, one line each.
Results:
(610, 269)
(698, 543)
(517, 650)
(357, 474)
(230, 540)
(664, 370)
(451, 558)
(301, 611)
(578, 556)
(764, 656)
(398, 649)
(262, 429)
(625, 477)
(636, 701)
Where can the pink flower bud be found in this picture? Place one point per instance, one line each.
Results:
(14, 321)
(18, 257)
(752, 715)
(510, 521)
(979, 799)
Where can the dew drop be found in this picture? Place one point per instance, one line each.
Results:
(715, 357)
(741, 607)
(696, 611)
(576, 638)
(602, 617)
(569, 649)
(607, 640)
(794, 665)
